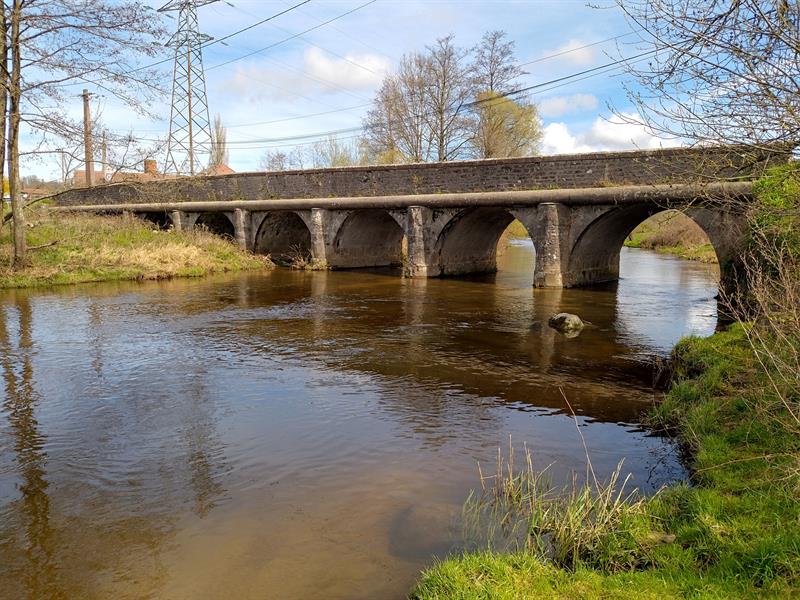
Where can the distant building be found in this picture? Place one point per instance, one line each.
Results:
(217, 170)
(149, 173)
(108, 175)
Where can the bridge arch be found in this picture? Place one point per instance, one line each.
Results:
(368, 238)
(283, 235)
(594, 257)
(468, 243)
(216, 222)
(159, 219)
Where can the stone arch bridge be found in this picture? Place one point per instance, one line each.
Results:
(446, 218)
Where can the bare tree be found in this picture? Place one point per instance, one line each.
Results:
(441, 106)
(278, 160)
(495, 66)
(396, 127)
(721, 71)
(333, 152)
(450, 91)
(219, 144)
(52, 44)
(422, 112)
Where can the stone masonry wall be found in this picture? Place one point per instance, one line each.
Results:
(677, 165)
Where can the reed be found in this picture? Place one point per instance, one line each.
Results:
(599, 524)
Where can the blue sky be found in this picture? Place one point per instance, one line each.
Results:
(338, 66)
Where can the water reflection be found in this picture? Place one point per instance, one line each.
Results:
(30, 525)
(310, 434)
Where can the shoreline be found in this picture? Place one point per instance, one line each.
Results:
(733, 532)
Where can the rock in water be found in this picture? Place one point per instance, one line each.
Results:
(566, 323)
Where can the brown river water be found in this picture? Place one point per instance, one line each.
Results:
(308, 435)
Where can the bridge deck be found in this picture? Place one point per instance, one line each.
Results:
(624, 194)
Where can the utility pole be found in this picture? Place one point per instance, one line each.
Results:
(189, 143)
(87, 140)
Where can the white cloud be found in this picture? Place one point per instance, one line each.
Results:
(319, 74)
(615, 133)
(557, 106)
(574, 52)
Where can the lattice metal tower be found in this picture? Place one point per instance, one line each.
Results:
(189, 144)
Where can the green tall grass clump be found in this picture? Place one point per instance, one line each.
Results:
(592, 523)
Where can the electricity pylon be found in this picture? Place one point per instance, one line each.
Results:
(189, 144)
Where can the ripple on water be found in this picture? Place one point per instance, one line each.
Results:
(310, 434)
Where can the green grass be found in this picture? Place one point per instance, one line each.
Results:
(733, 533)
(516, 230)
(91, 248)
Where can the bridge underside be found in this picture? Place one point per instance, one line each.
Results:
(575, 245)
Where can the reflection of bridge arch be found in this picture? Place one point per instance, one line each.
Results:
(282, 235)
(216, 222)
(468, 243)
(594, 256)
(368, 238)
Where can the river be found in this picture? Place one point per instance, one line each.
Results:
(308, 435)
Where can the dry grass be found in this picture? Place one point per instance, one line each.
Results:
(80, 248)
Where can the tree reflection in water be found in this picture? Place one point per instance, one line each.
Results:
(40, 576)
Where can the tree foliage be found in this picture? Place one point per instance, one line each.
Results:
(505, 128)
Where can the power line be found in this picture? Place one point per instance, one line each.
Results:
(273, 121)
(319, 114)
(560, 79)
(205, 45)
(349, 12)
(538, 88)
(310, 43)
(563, 52)
(348, 108)
(530, 90)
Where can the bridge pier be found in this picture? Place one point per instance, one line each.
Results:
(316, 226)
(549, 227)
(416, 263)
(178, 218)
(241, 229)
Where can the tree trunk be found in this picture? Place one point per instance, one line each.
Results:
(3, 102)
(20, 245)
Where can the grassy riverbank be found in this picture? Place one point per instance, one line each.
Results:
(735, 533)
(67, 249)
(672, 232)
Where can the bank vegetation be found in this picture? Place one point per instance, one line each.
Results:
(672, 232)
(75, 248)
